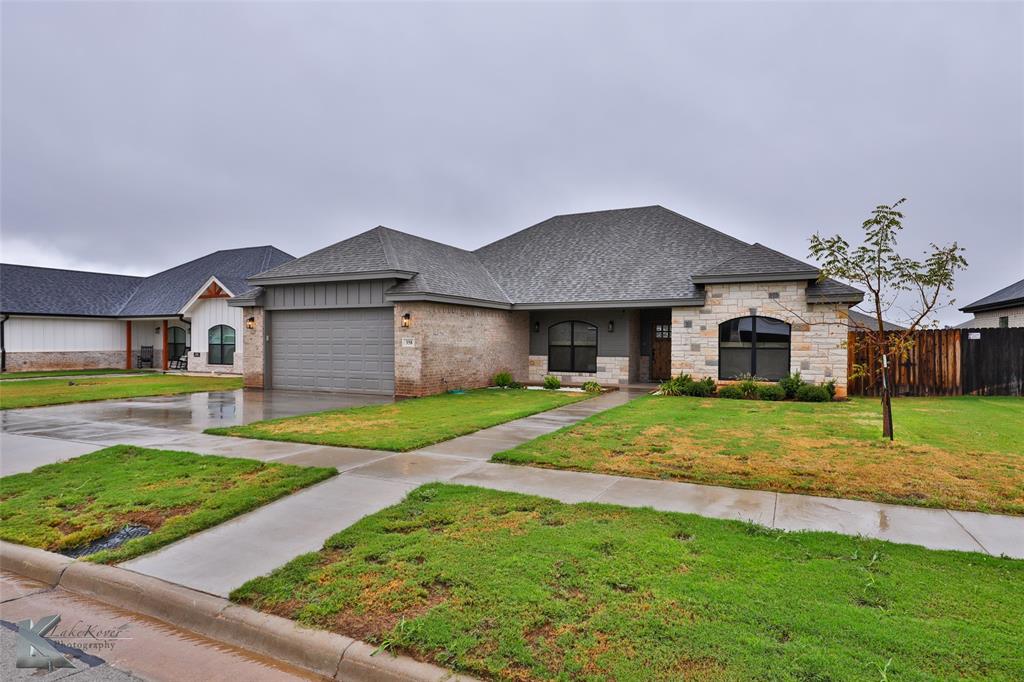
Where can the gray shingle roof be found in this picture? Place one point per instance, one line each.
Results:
(757, 263)
(45, 291)
(1007, 296)
(363, 253)
(49, 291)
(859, 320)
(441, 269)
(831, 291)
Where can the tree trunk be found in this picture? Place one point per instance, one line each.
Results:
(886, 400)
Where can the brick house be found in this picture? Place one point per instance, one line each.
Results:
(1003, 308)
(621, 296)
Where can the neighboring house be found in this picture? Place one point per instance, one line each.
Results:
(860, 321)
(68, 319)
(1004, 308)
(621, 296)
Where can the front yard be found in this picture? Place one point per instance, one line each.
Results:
(69, 373)
(38, 392)
(68, 504)
(959, 453)
(407, 424)
(514, 587)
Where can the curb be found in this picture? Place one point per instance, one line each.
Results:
(325, 653)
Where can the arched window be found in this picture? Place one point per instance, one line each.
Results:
(222, 345)
(175, 342)
(753, 345)
(572, 347)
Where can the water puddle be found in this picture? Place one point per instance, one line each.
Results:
(112, 541)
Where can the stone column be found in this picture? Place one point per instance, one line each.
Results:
(253, 344)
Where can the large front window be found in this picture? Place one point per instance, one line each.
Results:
(572, 347)
(175, 342)
(222, 345)
(758, 346)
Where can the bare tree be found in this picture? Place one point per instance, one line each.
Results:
(889, 278)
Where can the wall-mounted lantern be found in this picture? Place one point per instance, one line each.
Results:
(157, 330)
(250, 323)
(611, 326)
(536, 327)
(406, 321)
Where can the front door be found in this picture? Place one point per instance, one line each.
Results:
(661, 351)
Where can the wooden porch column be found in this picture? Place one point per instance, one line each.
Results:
(163, 360)
(128, 345)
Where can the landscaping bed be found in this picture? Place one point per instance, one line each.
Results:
(959, 453)
(514, 587)
(14, 394)
(65, 506)
(407, 424)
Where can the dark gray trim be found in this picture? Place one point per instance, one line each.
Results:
(758, 277)
(852, 300)
(583, 305)
(442, 298)
(334, 277)
(1012, 303)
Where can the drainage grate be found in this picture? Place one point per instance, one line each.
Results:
(111, 541)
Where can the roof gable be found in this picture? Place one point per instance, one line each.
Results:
(757, 263)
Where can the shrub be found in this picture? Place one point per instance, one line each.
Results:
(514, 384)
(731, 392)
(809, 393)
(791, 384)
(700, 389)
(503, 379)
(552, 383)
(591, 387)
(748, 386)
(676, 385)
(771, 392)
(830, 388)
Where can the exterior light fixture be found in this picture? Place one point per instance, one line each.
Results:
(611, 326)
(406, 321)
(157, 330)
(536, 327)
(250, 323)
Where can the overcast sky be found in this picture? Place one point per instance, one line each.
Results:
(138, 136)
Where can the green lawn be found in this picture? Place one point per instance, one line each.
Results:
(69, 373)
(407, 424)
(514, 587)
(57, 391)
(958, 453)
(67, 504)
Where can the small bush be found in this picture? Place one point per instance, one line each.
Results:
(830, 388)
(514, 384)
(502, 379)
(771, 392)
(791, 384)
(809, 393)
(591, 387)
(552, 383)
(731, 392)
(676, 385)
(748, 386)
(700, 389)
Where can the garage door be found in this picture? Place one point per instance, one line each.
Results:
(350, 349)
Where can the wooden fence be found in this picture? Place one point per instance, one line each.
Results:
(947, 362)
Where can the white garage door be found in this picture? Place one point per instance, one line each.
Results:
(350, 349)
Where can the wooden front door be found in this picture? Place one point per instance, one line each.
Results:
(661, 351)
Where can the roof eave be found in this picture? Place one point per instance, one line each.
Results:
(332, 277)
(852, 299)
(756, 277)
(446, 298)
(641, 303)
(975, 308)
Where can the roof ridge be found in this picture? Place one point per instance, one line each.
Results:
(389, 249)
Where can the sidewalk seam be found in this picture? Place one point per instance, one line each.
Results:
(969, 533)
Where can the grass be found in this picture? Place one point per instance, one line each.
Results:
(71, 503)
(14, 394)
(958, 453)
(407, 424)
(514, 587)
(69, 373)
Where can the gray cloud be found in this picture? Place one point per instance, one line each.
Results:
(138, 135)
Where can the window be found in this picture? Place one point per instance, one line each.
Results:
(663, 331)
(222, 345)
(1004, 322)
(753, 345)
(572, 347)
(175, 342)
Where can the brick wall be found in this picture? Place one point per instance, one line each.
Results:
(26, 361)
(254, 342)
(611, 371)
(818, 349)
(456, 346)
(200, 364)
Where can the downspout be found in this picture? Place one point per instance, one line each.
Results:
(3, 344)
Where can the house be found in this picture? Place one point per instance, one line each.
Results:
(1003, 308)
(68, 319)
(620, 296)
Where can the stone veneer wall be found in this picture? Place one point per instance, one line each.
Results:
(33, 361)
(199, 364)
(254, 342)
(610, 371)
(456, 346)
(818, 349)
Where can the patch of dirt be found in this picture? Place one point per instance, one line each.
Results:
(377, 619)
(154, 518)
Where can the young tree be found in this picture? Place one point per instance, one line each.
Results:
(889, 278)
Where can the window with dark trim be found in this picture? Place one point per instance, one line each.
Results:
(758, 346)
(572, 347)
(222, 345)
(175, 342)
(1004, 322)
